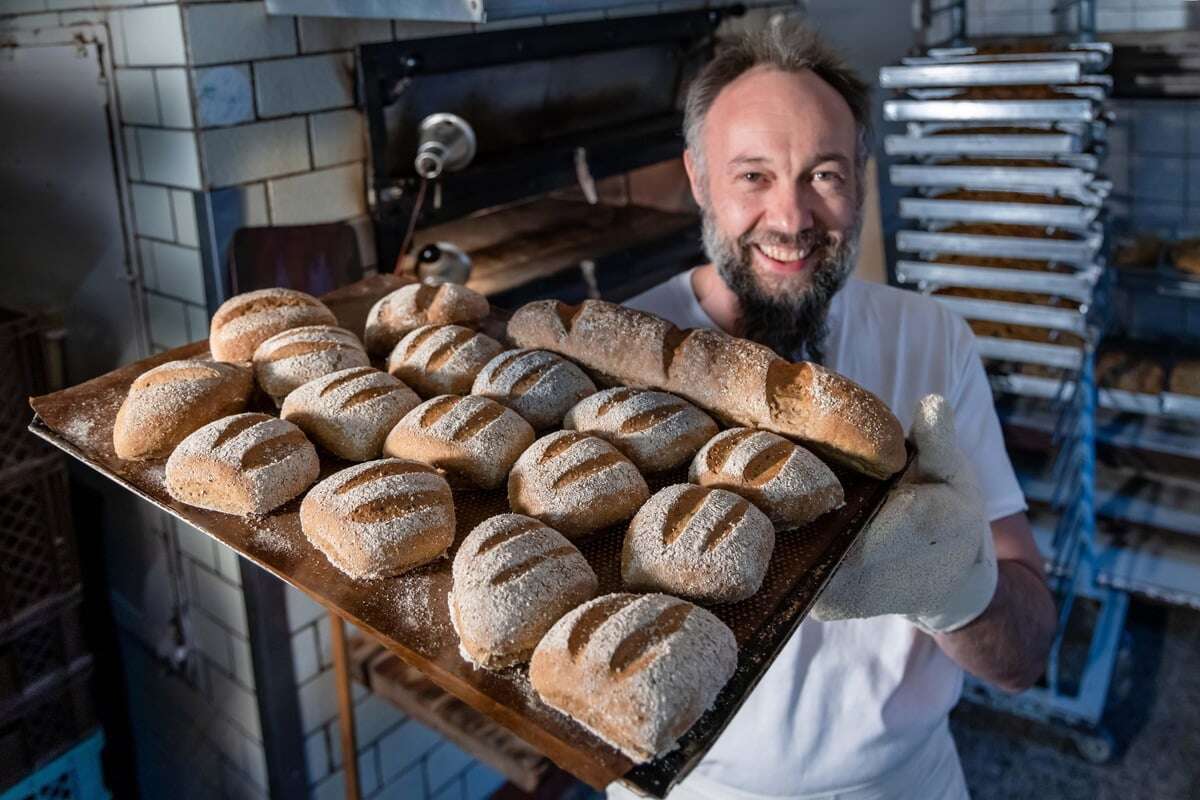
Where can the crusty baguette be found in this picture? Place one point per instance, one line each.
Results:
(245, 321)
(739, 381)
(294, 357)
(636, 670)
(350, 412)
(167, 403)
(539, 385)
(417, 304)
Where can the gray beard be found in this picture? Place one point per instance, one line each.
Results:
(790, 322)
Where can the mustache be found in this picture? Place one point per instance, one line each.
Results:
(808, 239)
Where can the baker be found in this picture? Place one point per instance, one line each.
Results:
(948, 577)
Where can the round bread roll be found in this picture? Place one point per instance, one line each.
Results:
(705, 544)
(539, 385)
(513, 578)
(472, 438)
(442, 359)
(417, 304)
(246, 464)
(380, 518)
(351, 411)
(294, 357)
(247, 320)
(656, 430)
(168, 402)
(575, 483)
(636, 670)
(788, 483)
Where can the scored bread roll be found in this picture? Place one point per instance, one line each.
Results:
(294, 357)
(538, 385)
(245, 321)
(704, 544)
(514, 577)
(442, 359)
(789, 484)
(168, 402)
(737, 380)
(575, 483)
(380, 518)
(351, 411)
(247, 464)
(636, 670)
(417, 304)
(471, 438)
(656, 430)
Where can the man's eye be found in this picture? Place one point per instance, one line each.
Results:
(827, 176)
(752, 177)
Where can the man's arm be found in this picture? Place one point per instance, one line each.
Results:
(1008, 643)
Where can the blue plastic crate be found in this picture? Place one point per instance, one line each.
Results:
(75, 775)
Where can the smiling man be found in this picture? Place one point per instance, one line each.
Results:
(947, 577)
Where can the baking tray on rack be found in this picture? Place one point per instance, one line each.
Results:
(1071, 182)
(1038, 316)
(1076, 110)
(1032, 386)
(1081, 91)
(1181, 405)
(1092, 55)
(1074, 251)
(984, 144)
(1072, 217)
(1048, 355)
(941, 73)
(1077, 286)
(409, 613)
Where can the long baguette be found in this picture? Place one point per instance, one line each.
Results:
(739, 381)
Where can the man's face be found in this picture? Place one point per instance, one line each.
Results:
(777, 189)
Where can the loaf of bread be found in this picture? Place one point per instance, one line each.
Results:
(247, 464)
(473, 439)
(787, 483)
(245, 321)
(739, 381)
(539, 385)
(514, 578)
(380, 518)
(704, 544)
(576, 484)
(442, 359)
(1185, 377)
(294, 357)
(636, 670)
(410, 307)
(655, 430)
(350, 412)
(168, 402)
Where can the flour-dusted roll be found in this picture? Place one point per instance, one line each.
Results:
(170, 401)
(380, 518)
(636, 670)
(245, 321)
(471, 438)
(539, 385)
(703, 544)
(350, 412)
(417, 304)
(575, 483)
(513, 578)
(789, 484)
(247, 464)
(656, 430)
(294, 357)
(442, 359)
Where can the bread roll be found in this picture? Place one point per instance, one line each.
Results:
(704, 544)
(514, 578)
(575, 483)
(656, 430)
(1185, 377)
(636, 670)
(739, 381)
(168, 402)
(350, 412)
(789, 484)
(245, 321)
(294, 357)
(247, 464)
(418, 304)
(538, 385)
(380, 518)
(442, 359)
(472, 438)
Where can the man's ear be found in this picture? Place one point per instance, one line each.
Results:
(689, 166)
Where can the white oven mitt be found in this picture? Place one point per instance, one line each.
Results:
(928, 554)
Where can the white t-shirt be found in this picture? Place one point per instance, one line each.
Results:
(857, 709)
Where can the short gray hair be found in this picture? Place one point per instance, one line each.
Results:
(788, 46)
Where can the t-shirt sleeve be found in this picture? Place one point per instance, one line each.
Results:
(979, 435)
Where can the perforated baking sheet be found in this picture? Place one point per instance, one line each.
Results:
(1077, 286)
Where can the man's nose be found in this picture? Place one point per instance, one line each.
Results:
(789, 208)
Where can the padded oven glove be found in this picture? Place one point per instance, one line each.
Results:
(928, 554)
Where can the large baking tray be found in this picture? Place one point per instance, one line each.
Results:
(1081, 91)
(409, 614)
(1181, 405)
(985, 144)
(1071, 182)
(1069, 251)
(1094, 130)
(1048, 355)
(991, 110)
(1076, 285)
(1092, 55)
(1039, 316)
(982, 74)
(1051, 216)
